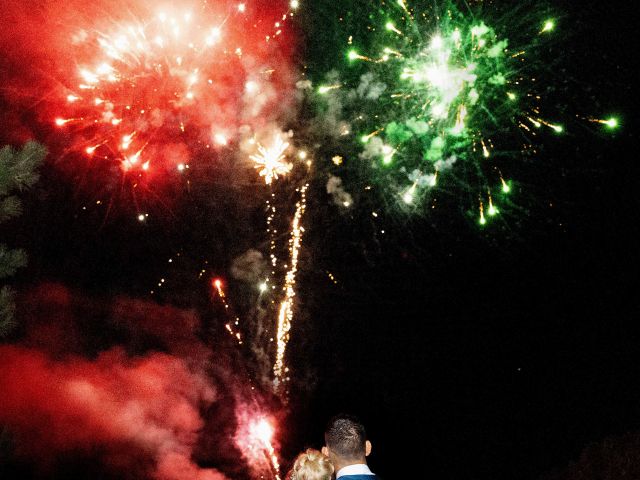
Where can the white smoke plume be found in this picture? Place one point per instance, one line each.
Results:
(249, 267)
(339, 195)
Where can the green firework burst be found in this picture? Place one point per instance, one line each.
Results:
(442, 95)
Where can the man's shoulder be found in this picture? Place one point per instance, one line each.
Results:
(359, 477)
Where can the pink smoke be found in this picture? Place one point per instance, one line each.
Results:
(154, 401)
(72, 404)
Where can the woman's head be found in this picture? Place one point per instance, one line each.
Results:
(311, 465)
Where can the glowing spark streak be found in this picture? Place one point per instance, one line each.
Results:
(60, 122)
(217, 284)
(434, 180)
(505, 186)
(403, 4)
(270, 160)
(326, 88)
(611, 123)
(366, 138)
(485, 150)
(492, 209)
(391, 27)
(353, 55)
(482, 220)
(408, 196)
(459, 126)
(272, 232)
(285, 317)
(388, 152)
(262, 431)
(536, 123)
(539, 121)
(388, 51)
(549, 25)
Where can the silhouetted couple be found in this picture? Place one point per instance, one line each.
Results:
(345, 454)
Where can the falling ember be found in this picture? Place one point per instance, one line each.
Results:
(482, 220)
(285, 316)
(366, 138)
(271, 161)
(230, 327)
(505, 186)
(485, 150)
(548, 26)
(407, 197)
(353, 55)
(611, 123)
(492, 209)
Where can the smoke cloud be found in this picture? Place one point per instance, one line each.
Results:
(369, 88)
(249, 267)
(339, 195)
(150, 403)
(125, 384)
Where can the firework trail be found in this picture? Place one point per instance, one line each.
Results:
(231, 327)
(285, 314)
(271, 162)
(274, 157)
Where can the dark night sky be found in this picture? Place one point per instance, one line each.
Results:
(500, 355)
(494, 354)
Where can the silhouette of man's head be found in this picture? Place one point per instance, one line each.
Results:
(346, 441)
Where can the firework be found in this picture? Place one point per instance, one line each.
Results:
(441, 94)
(275, 158)
(231, 327)
(271, 161)
(156, 79)
(285, 314)
(254, 437)
(263, 431)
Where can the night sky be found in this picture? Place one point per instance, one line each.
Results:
(468, 352)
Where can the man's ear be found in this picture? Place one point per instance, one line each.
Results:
(367, 448)
(325, 451)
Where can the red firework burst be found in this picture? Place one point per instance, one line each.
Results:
(151, 87)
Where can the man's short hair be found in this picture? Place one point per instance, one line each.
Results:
(345, 436)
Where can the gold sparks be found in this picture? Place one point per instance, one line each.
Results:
(271, 160)
(482, 220)
(231, 328)
(285, 316)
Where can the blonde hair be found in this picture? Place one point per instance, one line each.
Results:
(311, 465)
